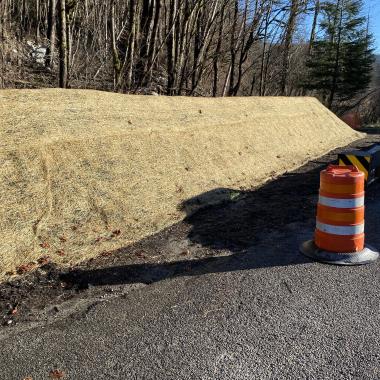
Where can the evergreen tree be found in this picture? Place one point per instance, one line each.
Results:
(341, 59)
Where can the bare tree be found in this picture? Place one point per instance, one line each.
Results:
(176, 47)
(289, 32)
(63, 54)
(115, 53)
(51, 34)
(317, 8)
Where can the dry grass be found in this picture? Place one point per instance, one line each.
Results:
(78, 166)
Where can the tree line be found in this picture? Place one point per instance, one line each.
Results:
(192, 47)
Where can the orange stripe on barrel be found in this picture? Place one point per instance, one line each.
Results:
(339, 243)
(339, 216)
(349, 189)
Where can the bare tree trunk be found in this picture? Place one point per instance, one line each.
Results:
(3, 37)
(51, 34)
(188, 20)
(331, 96)
(264, 52)
(63, 58)
(287, 44)
(317, 8)
(153, 42)
(217, 52)
(4, 23)
(23, 18)
(38, 20)
(115, 53)
(146, 20)
(171, 48)
(86, 9)
(131, 42)
(69, 41)
(233, 49)
(196, 50)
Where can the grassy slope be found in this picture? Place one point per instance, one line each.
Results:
(78, 166)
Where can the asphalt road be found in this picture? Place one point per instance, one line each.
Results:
(267, 314)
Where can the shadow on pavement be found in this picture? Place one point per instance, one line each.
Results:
(239, 224)
(230, 220)
(149, 273)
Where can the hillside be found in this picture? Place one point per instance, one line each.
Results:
(84, 172)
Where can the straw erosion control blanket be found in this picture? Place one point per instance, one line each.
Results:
(84, 172)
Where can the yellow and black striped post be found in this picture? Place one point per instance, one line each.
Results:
(363, 163)
(366, 160)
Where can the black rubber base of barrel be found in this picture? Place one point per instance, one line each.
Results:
(366, 256)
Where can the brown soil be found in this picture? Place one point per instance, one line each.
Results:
(187, 248)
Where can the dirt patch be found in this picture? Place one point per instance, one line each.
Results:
(86, 172)
(187, 248)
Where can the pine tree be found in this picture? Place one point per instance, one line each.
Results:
(341, 60)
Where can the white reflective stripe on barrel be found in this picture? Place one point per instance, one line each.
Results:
(340, 230)
(341, 203)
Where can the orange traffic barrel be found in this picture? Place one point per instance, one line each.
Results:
(340, 211)
(339, 235)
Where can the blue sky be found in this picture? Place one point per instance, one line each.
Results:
(373, 6)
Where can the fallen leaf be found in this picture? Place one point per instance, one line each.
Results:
(60, 252)
(45, 244)
(140, 255)
(43, 260)
(56, 374)
(116, 233)
(62, 239)
(10, 273)
(14, 311)
(106, 254)
(21, 269)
